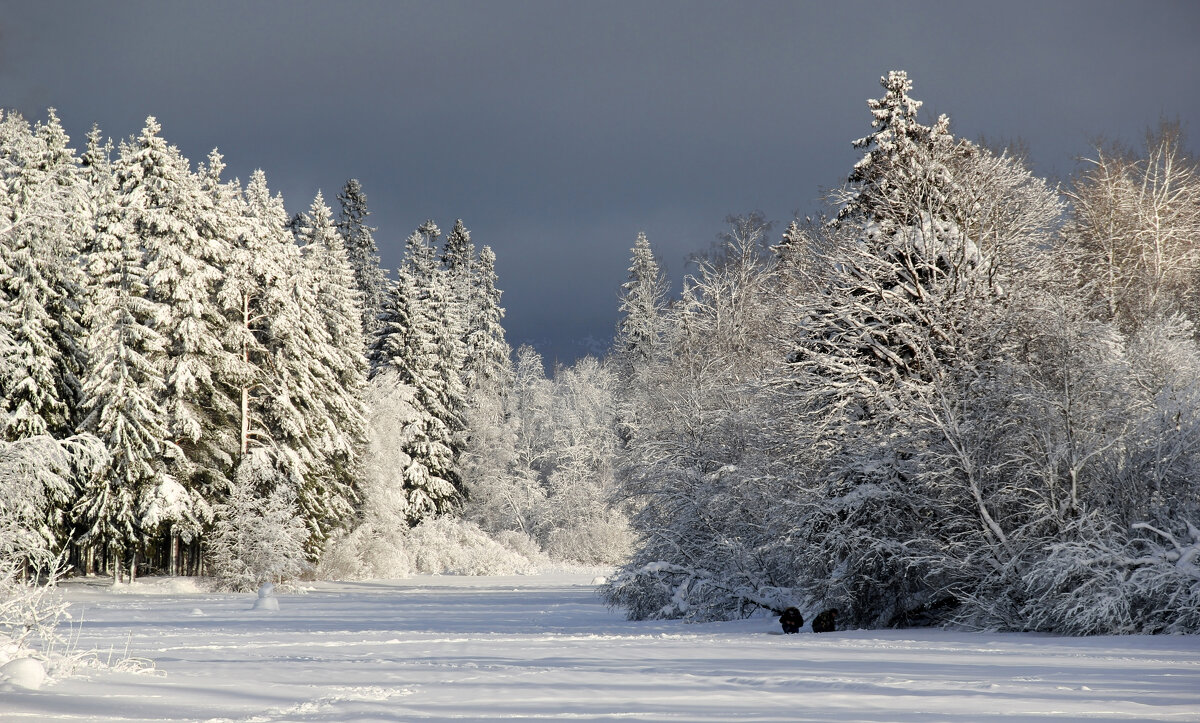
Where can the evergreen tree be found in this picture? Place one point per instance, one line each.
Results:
(459, 253)
(123, 390)
(362, 255)
(257, 297)
(420, 343)
(40, 281)
(488, 357)
(167, 209)
(643, 299)
(337, 433)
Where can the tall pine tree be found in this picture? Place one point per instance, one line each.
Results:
(168, 210)
(420, 345)
(337, 434)
(643, 298)
(362, 255)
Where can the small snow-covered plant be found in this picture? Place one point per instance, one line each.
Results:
(664, 590)
(259, 534)
(447, 545)
(30, 613)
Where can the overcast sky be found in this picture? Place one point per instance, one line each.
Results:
(559, 130)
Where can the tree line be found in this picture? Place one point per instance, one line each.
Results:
(959, 395)
(184, 367)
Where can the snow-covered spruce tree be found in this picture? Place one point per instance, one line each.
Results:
(489, 357)
(43, 208)
(168, 210)
(43, 219)
(882, 383)
(643, 299)
(487, 461)
(333, 386)
(421, 343)
(363, 255)
(458, 255)
(124, 386)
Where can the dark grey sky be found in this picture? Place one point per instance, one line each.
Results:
(558, 130)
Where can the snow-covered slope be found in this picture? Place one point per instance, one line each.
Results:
(442, 648)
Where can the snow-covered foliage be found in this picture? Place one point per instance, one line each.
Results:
(420, 347)
(38, 476)
(330, 394)
(1136, 216)
(42, 217)
(552, 475)
(362, 254)
(643, 298)
(435, 546)
(1109, 581)
(173, 316)
(487, 365)
(920, 414)
(953, 400)
(259, 536)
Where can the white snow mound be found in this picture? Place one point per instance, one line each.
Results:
(23, 673)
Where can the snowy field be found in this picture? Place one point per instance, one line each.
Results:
(538, 647)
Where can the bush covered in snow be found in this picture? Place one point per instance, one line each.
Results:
(437, 546)
(259, 536)
(1110, 582)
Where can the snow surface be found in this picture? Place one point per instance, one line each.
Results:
(543, 646)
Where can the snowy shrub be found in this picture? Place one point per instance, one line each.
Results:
(259, 536)
(605, 541)
(438, 546)
(37, 475)
(30, 613)
(662, 590)
(1107, 582)
(520, 543)
(445, 545)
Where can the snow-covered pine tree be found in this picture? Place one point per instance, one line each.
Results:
(32, 402)
(336, 434)
(890, 347)
(488, 360)
(643, 298)
(58, 173)
(363, 255)
(458, 272)
(124, 386)
(458, 254)
(499, 492)
(420, 342)
(43, 207)
(257, 296)
(43, 216)
(168, 210)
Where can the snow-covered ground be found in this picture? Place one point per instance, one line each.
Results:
(543, 646)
